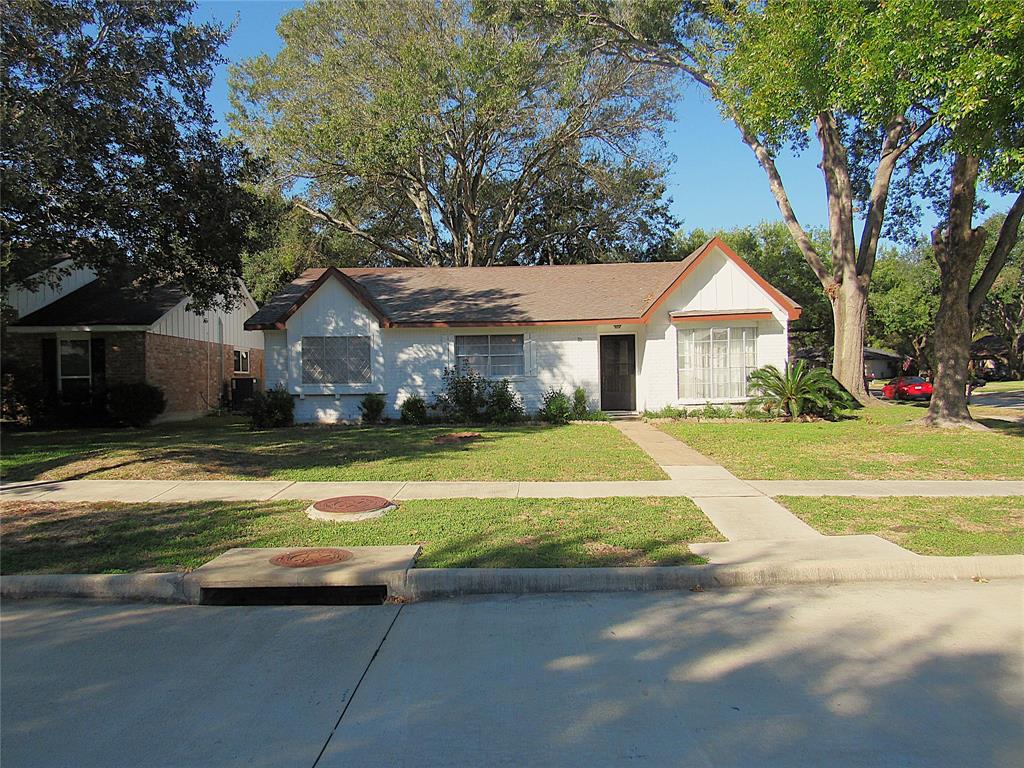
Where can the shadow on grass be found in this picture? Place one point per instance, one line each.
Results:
(226, 447)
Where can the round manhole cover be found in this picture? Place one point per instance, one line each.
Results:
(351, 505)
(309, 558)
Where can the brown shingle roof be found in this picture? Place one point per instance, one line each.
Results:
(424, 296)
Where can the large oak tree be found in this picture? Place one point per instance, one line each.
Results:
(109, 154)
(871, 82)
(437, 138)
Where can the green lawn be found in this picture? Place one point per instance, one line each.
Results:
(1002, 386)
(879, 443)
(928, 526)
(220, 448)
(490, 533)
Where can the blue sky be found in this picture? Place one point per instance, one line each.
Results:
(715, 181)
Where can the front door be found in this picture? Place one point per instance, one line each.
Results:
(618, 373)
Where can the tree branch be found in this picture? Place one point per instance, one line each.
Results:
(1008, 235)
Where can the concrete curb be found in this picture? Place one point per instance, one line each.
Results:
(149, 587)
(438, 583)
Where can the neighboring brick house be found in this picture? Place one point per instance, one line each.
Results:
(84, 333)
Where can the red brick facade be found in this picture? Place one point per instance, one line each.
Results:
(192, 373)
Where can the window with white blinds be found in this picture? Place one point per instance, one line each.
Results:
(714, 362)
(492, 357)
(335, 359)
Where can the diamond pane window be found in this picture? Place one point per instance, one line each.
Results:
(336, 360)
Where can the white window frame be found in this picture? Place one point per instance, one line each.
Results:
(243, 355)
(489, 374)
(335, 383)
(88, 358)
(735, 377)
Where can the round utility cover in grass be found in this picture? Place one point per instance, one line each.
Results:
(349, 509)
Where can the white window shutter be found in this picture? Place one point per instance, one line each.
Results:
(529, 355)
(449, 346)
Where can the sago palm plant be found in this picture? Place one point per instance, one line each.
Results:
(798, 391)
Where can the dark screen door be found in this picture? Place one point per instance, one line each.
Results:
(618, 373)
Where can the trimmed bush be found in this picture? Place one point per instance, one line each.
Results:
(25, 399)
(413, 410)
(275, 408)
(371, 407)
(668, 412)
(556, 408)
(503, 404)
(464, 397)
(580, 407)
(135, 404)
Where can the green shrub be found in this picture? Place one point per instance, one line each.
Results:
(135, 404)
(413, 410)
(668, 412)
(580, 407)
(503, 404)
(556, 408)
(26, 399)
(800, 391)
(275, 408)
(464, 397)
(755, 410)
(712, 411)
(371, 408)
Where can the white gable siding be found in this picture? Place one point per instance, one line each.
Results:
(716, 284)
(275, 359)
(25, 302)
(216, 325)
(332, 311)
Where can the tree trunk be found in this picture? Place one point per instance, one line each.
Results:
(952, 351)
(850, 313)
(956, 252)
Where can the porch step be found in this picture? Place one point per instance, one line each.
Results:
(622, 415)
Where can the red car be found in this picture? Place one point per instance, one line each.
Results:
(907, 388)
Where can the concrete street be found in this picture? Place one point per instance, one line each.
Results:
(909, 674)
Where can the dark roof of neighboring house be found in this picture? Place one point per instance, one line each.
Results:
(466, 296)
(870, 353)
(106, 301)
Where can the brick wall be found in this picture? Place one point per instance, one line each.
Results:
(191, 372)
(125, 353)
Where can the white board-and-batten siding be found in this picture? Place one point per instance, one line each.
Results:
(411, 361)
(215, 325)
(58, 283)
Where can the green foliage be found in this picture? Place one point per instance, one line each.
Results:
(668, 412)
(758, 411)
(503, 406)
(110, 154)
(438, 138)
(556, 407)
(464, 397)
(135, 404)
(799, 391)
(371, 407)
(712, 411)
(269, 410)
(25, 400)
(413, 410)
(580, 404)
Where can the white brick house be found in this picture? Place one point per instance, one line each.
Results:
(636, 336)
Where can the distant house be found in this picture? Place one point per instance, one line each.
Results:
(82, 333)
(635, 336)
(881, 364)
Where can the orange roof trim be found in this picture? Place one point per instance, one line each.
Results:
(793, 309)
